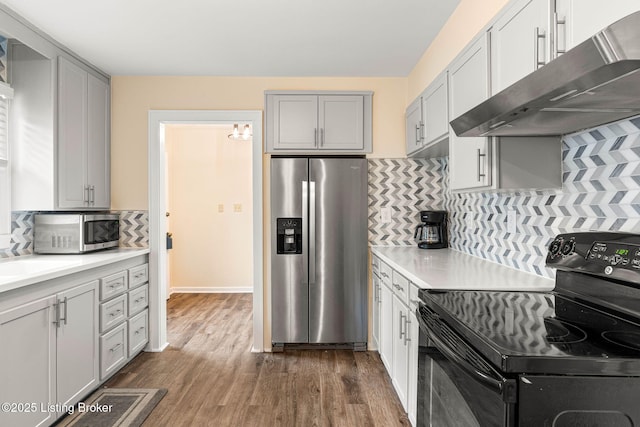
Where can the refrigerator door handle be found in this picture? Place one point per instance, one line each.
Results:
(312, 233)
(305, 236)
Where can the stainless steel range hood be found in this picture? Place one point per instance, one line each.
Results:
(594, 83)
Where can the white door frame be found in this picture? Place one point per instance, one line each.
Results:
(157, 209)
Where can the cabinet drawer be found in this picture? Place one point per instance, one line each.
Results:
(138, 332)
(113, 285)
(138, 299)
(400, 287)
(113, 312)
(138, 275)
(375, 265)
(113, 350)
(385, 274)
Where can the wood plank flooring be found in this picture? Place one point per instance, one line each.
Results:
(214, 380)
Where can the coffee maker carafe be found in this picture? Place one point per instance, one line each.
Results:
(432, 233)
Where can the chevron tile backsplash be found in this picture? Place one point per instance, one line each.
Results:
(134, 229)
(601, 192)
(406, 186)
(21, 235)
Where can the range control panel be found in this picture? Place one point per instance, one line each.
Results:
(606, 254)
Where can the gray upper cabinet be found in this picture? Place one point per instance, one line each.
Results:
(83, 138)
(427, 121)
(575, 21)
(470, 157)
(307, 122)
(65, 165)
(414, 127)
(519, 42)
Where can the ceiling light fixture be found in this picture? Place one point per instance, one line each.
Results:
(246, 133)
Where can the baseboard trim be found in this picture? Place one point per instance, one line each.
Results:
(210, 290)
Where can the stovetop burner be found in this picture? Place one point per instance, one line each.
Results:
(561, 332)
(627, 339)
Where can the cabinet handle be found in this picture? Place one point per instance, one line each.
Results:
(115, 347)
(421, 131)
(480, 175)
(64, 301)
(86, 196)
(417, 133)
(115, 313)
(402, 322)
(536, 52)
(315, 136)
(556, 26)
(379, 299)
(93, 195)
(407, 322)
(321, 137)
(140, 329)
(385, 275)
(56, 307)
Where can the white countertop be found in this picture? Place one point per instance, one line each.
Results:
(449, 269)
(26, 270)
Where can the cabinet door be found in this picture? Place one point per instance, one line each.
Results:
(72, 135)
(414, 126)
(341, 122)
(77, 347)
(28, 362)
(375, 318)
(470, 157)
(435, 107)
(98, 147)
(413, 332)
(583, 18)
(400, 351)
(519, 42)
(295, 122)
(386, 325)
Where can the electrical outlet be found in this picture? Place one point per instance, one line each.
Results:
(237, 207)
(220, 208)
(385, 215)
(512, 216)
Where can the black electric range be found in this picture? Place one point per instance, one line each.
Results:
(581, 340)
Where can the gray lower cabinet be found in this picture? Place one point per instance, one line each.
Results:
(51, 353)
(28, 361)
(124, 317)
(398, 332)
(59, 342)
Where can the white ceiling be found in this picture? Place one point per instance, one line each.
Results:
(243, 37)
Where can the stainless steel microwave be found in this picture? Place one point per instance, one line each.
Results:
(75, 233)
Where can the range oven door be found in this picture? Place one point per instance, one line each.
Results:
(456, 386)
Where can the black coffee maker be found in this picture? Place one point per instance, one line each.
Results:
(432, 233)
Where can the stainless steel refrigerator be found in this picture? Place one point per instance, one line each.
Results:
(319, 251)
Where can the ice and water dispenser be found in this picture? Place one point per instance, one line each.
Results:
(289, 235)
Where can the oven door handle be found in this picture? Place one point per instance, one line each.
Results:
(496, 384)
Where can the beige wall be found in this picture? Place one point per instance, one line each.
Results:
(466, 21)
(134, 96)
(212, 249)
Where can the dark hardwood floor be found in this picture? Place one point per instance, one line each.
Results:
(214, 380)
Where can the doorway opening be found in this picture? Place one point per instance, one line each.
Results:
(209, 207)
(159, 121)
